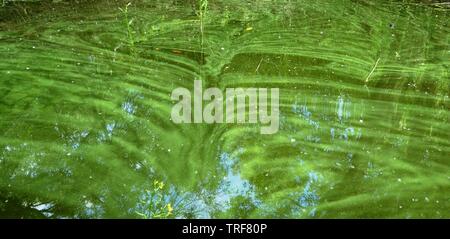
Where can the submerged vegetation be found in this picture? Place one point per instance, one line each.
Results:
(202, 10)
(129, 25)
(85, 109)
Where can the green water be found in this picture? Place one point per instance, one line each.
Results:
(85, 106)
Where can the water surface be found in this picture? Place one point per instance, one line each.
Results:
(85, 129)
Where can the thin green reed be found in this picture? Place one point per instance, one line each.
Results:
(203, 7)
(128, 24)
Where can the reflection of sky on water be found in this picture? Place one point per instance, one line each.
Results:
(342, 113)
(303, 111)
(233, 185)
(309, 197)
(44, 208)
(93, 210)
(230, 186)
(129, 107)
(153, 202)
(103, 136)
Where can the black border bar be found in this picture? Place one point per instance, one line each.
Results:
(173, 228)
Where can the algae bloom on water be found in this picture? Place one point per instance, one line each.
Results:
(360, 118)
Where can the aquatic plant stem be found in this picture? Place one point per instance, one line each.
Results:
(373, 69)
(259, 65)
(128, 24)
(203, 5)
